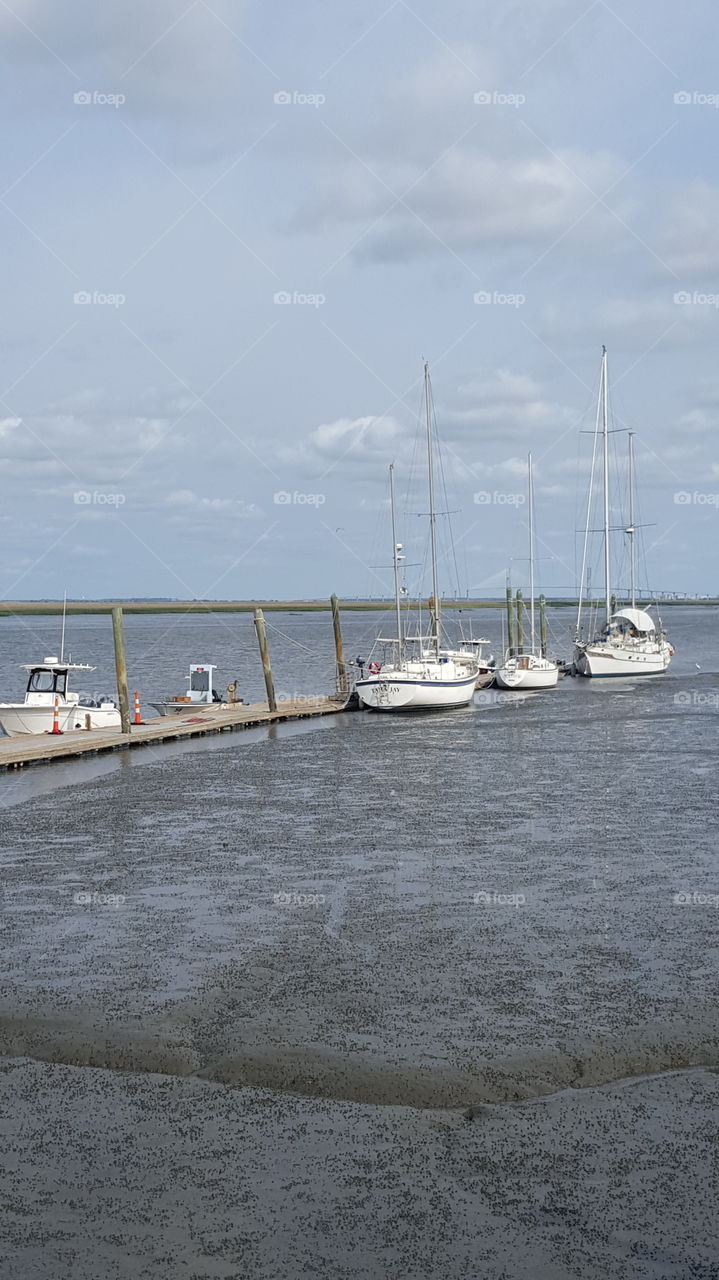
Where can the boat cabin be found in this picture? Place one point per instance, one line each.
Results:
(48, 680)
(201, 684)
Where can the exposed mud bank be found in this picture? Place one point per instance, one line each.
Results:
(316, 1072)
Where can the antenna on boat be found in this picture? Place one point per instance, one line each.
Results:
(62, 633)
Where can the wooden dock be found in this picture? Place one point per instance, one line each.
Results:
(27, 749)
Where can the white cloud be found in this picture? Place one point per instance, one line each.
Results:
(366, 444)
(185, 500)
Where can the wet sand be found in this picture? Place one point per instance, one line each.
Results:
(133, 1176)
(264, 1013)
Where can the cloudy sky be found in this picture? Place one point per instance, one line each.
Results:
(232, 231)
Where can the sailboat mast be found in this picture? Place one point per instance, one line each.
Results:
(531, 549)
(432, 512)
(605, 446)
(395, 560)
(631, 530)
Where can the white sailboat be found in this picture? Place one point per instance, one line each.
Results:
(436, 678)
(529, 669)
(630, 643)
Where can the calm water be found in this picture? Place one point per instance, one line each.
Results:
(160, 648)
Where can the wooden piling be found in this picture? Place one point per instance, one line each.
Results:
(543, 626)
(339, 647)
(123, 696)
(510, 624)
(265, 655)
(520, 622)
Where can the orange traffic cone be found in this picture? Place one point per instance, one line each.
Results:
(137, 719)
(56, 718)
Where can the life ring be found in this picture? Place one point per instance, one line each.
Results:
(374, 668)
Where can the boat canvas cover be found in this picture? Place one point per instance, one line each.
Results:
(637, 618)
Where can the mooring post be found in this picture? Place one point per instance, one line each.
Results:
(520, 622)
(123, 696)
(265, 655)
(510, 624)
(543, 626)
(339, 647)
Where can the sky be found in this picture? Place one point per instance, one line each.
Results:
(233, 232)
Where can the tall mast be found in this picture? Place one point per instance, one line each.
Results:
(62, 633)
(631, 530)
(432, 513)
(396, 557)
(531, 549)
(605, 444)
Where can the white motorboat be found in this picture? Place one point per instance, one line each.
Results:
(629, 643)
(436, 678)
(200, 693)
(48, 687)
(529, 670)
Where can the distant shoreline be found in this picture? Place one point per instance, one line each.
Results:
(24, 608)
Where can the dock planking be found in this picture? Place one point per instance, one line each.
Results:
(29, 749)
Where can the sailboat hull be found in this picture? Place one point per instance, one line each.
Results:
(538, 674)
(395, 692)
(601, 661)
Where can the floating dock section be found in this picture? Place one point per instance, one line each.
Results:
(27, 749)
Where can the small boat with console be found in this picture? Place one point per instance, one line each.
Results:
(48, 685)
(200, 693)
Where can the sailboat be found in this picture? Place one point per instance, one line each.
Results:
(630, 643)
(435, 678)
(532, 669)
